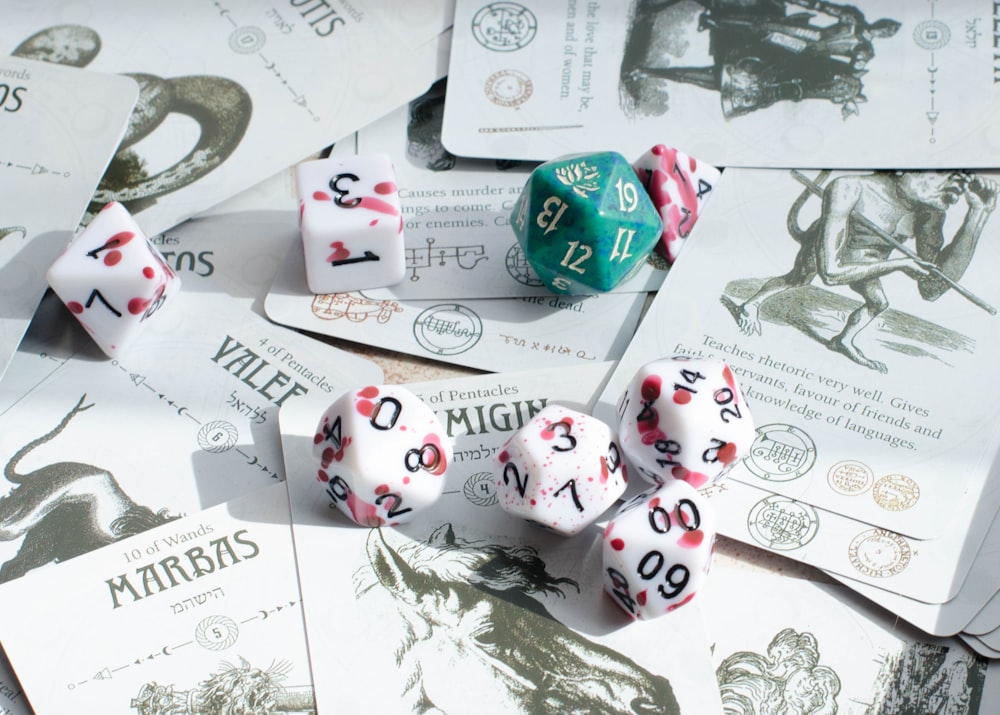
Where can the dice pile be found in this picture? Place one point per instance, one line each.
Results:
(682, 423)
(585, 224)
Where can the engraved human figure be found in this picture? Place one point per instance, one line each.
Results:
(846, 245)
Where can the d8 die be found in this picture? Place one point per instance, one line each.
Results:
(584, 222)
(352, 224)
(679, 186)
(686, 419)
(562, 470)
(657, 549)
(112, 279)
(382, 455)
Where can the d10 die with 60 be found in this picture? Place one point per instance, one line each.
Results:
(112, 279)
(684, 418)
(585, 223)
(562, 470)
(382, 455)
(352, 223)
(657, 549)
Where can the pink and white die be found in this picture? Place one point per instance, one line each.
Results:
(382, 455)
(112, 279)
(679, 186)
(352, 223)
(684, 418)
(562, 470)
(657, 550)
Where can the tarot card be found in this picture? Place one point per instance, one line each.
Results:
(797, 645)
(800, 83)
(459, 241)
(231, 93)
(185, 420)
(837, 370)
(201, 614)
(61, 127)
(493, 334)
(442, 614)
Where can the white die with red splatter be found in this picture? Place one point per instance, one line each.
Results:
(657, 550)
(684, 418)
(112, 279)
(382, 455)
(562, 470)
(679, 186)
(352, 223)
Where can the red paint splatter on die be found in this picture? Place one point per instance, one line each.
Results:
(382, 489)
(112, 258)
(75, 307)
(682, 397)
(138, 305)
(385, 187)
(727, 375)
(695, 479)
(728, 453)
(618, 544)
(373, 204)
(322, 476)
(640, 598)
(503, 457)
(675, 606)
(440, 464)
(691, 539)
(321, 196)
(149, 272)
(651, 388)
(339, 252)
(371, 391)
(373, 222)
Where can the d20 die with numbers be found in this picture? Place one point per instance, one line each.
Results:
(585, 223)
(112, 279)
(351, 222)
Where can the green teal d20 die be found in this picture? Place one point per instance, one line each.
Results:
(585, 223)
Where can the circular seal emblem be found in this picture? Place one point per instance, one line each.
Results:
(519, 268)
(504, 26)
(850, 477)
(508, 88)
(216, 632)
(895, 492)
(782, 524)
(217, 436)
(879, 553)
(931, 34)
(781, 453)
(246, 40)
(447, 329)
(481, 489)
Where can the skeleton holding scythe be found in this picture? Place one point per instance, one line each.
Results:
(865, 223)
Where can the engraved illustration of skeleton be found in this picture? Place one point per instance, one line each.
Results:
(471, 609)
(232, 690)
(65, 509)
(862, 234)
(763, 52)
(788, 679)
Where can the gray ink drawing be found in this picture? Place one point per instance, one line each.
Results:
(470, 610)
(926, 678)
(787, 680)
(220, 106)
(232, 690)
(65, 509)
(763, 52)
(863, 233)
(10, 230)
(423, 133)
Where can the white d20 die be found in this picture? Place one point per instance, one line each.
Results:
(562, 470)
